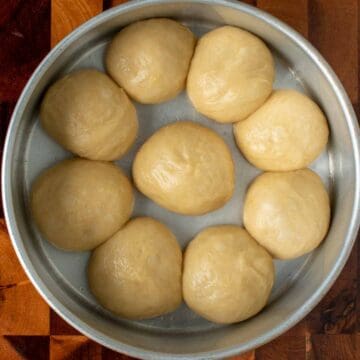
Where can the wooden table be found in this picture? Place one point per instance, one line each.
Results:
(29, 329)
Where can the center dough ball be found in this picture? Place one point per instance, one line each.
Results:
(89, 115)
(287, 213)
(150, 59)
(78, 204)
(186, 168)
(137, 273)
(231, 74)
(227, 276)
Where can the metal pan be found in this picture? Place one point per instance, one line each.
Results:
(300, 284)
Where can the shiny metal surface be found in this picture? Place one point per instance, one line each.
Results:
(300, 284)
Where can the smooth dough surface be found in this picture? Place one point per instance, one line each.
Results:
(227, 276)
(287, 133)
(89, 115)
(137, 273)
(150, 59)
(78, 204)
(288, 213)
(186, 168)
(231, 74)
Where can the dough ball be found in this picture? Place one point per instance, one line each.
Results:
(78, 204)
(227, 276)
(150, 59)
(137, 273)
(231, 74)
(89, 115)
(186, 168)
(287, 213)
(287, 133)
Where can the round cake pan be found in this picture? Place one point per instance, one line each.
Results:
(300, 284)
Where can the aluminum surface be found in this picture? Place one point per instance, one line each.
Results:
(300, 284)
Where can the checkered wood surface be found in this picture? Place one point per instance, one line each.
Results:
(29, 329)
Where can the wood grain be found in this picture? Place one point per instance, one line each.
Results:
(6, 109)
(294, 13)
(11, 271)
(24, 39)
(22, 310)
(330, 347)
(74, 348)
(283, 348)
(58, 326)
(334, 30)
(66, 15)
(111, 3)
(24, 348)
(247, 356)
(249, 2)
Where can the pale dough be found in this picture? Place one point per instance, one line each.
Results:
(287, 133)
(186, 168)
(150, 59)
(288, 213)
(89, 115)
(231, 74)
(137, 273)
(227, 276)
(77, 204)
